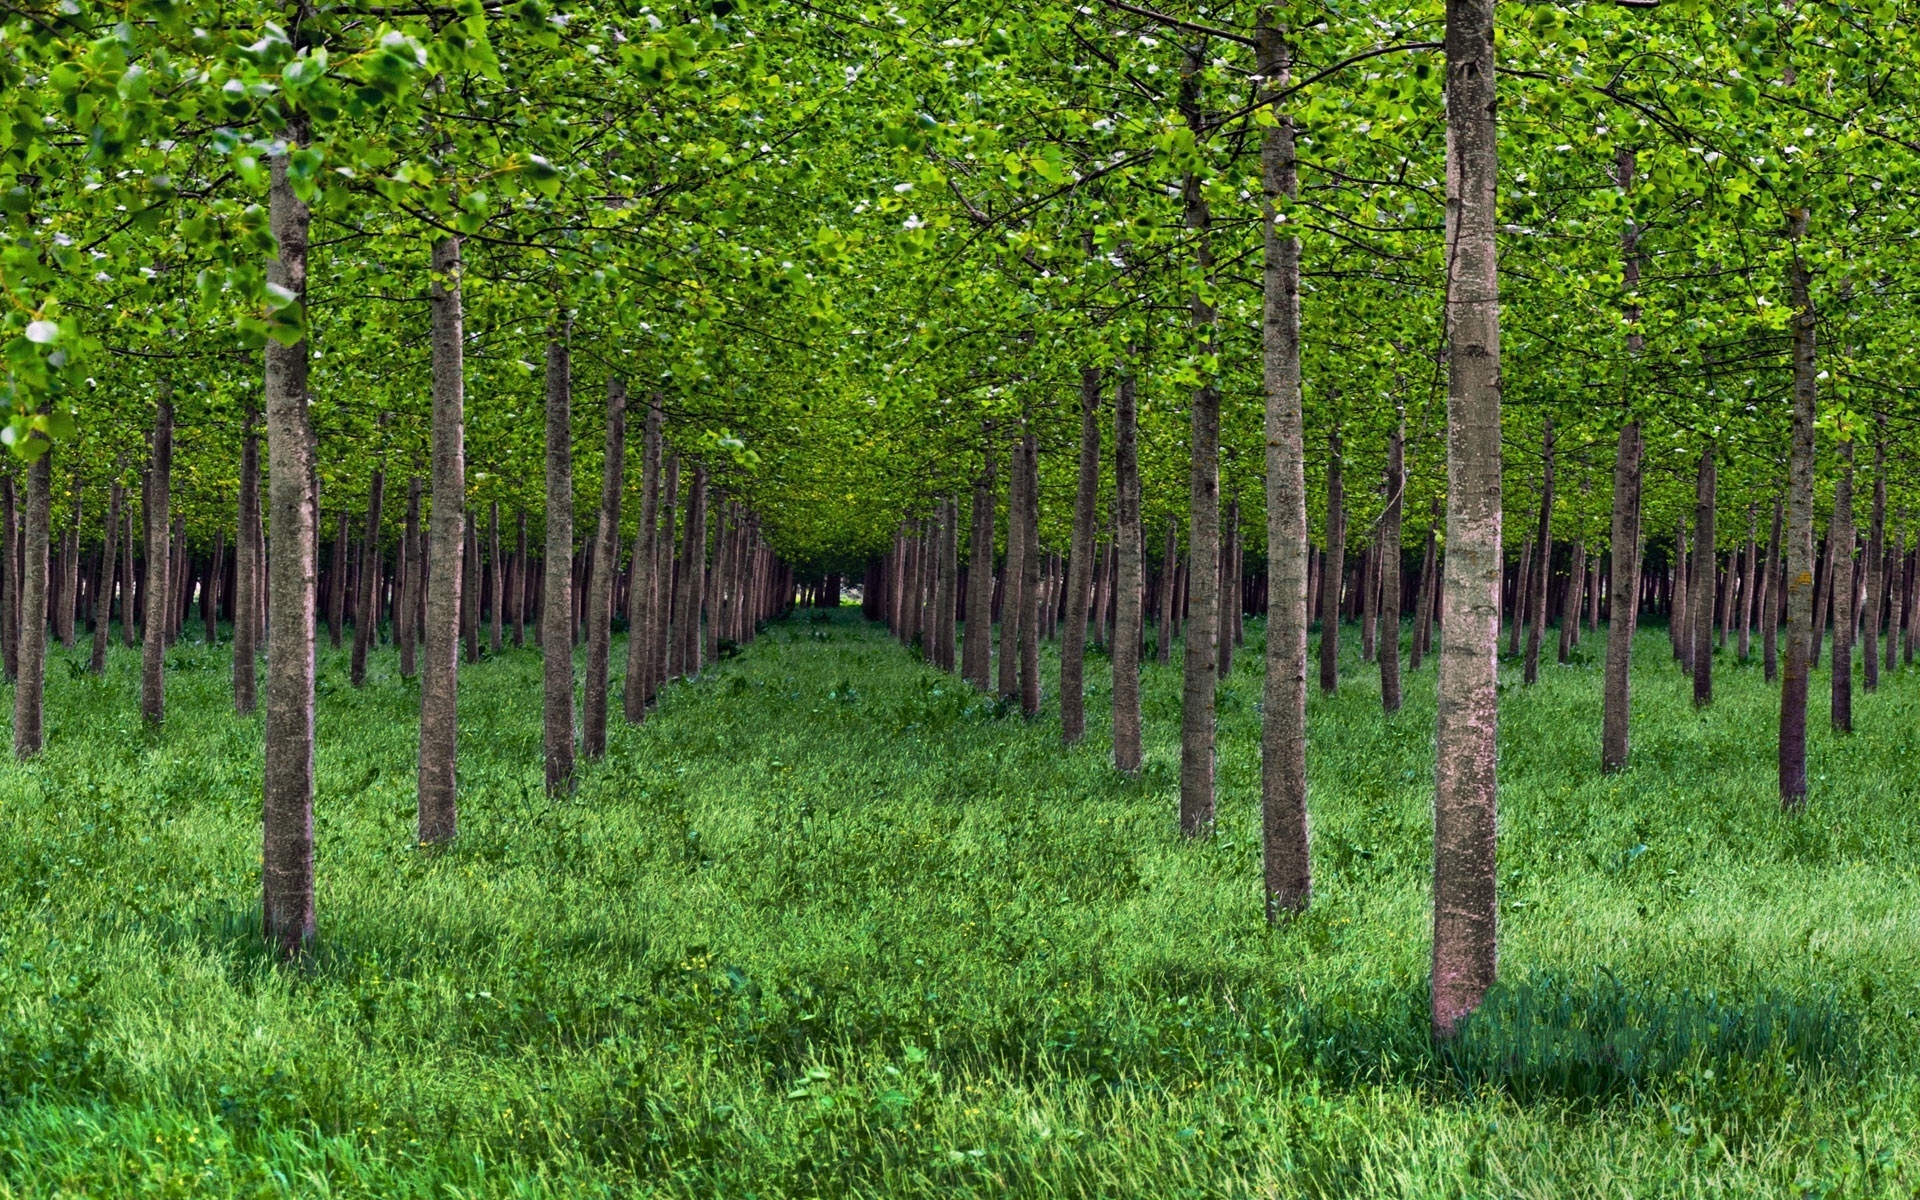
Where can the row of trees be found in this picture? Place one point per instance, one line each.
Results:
(872, 265)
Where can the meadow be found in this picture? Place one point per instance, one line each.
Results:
(831, 924)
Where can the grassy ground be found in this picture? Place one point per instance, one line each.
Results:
(831, 925)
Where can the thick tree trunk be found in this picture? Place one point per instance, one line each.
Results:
(1333, 568)
(1799, 549)
(1465, 909)
(438, 798)
(1840, 538)
(1705, 528)
(246, 573)
(1624, 609)
(606, 569)
(977, 651)
(1073, 710)
(29, 689)
(1129, 608)
(287, 828)
(643, 608)
(1013, 575)
(1285, 831)
(1543, 563)
(103, 592)
(366, 609)
(556, 606)
(153, 695)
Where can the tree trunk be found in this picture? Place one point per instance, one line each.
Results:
(337, 581)
(210, 591)
(1704, 574)
(1770, 601)
(1876, 564)
(1570, 607)
(1422, 603)
(11, 545)
(496, 581)
(1073, 711)
(70, 580)
(1030, 589)
(1169, 570)
(366, 612)
(470, 587)
(1013, 573)
(1228, 588)
(1465, 909)
(606, 569)
(29, 688)
(103, 592)
(1543, 563)
(1799, 550)
(1285, 830)
(1129, 612)
(642, 592)
(1387, 643)
(153, 695)
(407, 587)
(1822, 597)
(1750, 582)
(287, 828)
(438, 811)
(246, 573)
(977, 651)
(1333, 568)
(1522, 588)
(556, 606)
(1840, 538)
(1624, 609)
(693, 564)
(658, 661)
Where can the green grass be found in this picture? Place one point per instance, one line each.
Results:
(829, 924)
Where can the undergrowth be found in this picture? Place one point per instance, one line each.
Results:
(831, 924)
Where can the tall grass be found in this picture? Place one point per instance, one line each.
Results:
(829, 924)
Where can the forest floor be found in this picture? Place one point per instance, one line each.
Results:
(829, 924)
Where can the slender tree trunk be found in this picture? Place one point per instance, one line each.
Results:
(977, 652)
(1285, 828)
(658, 661)
(556, 607)
(70, 579)
(496, 580)
(606, 569)
(366, 611)
(1073, 713)
(1228, 588)
(1014, 575)
(713, 582)
(1823, 597)
(693, 569)
(410, 581)
(1750, 582)
(29, 688)
(1876, 564)
(153, 696)
(1333, 568)
(438, 798)
(1387, 647)
(1030, 590)
(1840, 538)
(1570, 607)
(11, 544)
(1680, 622)
(1522, 588)
(246, 573)
(1465, 908)
(1169, 571)
(1703, 573)
(1422, 604)
(1799, 549)
(337, 581)
(470, 588)
(642, 606)
(103, 596)
(1129, 612)
(1624, 609)
(1543, 563)
(287, 828)
(522, 579)
(210, 591)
